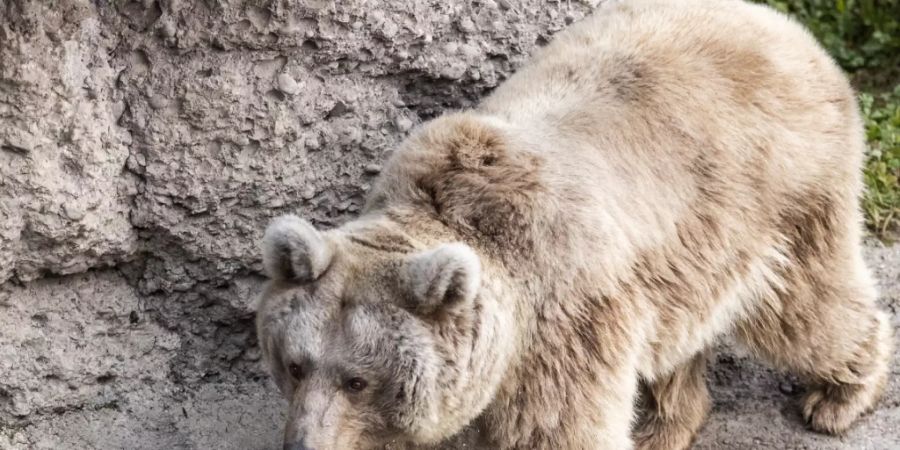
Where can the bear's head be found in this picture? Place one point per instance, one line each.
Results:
(375, 336)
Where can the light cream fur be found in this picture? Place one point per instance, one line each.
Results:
(662, 175)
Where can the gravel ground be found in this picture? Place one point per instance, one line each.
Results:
(754, 408)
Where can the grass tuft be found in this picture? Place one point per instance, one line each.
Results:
(881, 201)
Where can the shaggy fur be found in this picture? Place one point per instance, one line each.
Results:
(661, 175)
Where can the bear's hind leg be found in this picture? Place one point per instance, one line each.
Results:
(838, 397)
(673, 408)
(826, 327)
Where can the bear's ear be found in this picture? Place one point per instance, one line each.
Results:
(294, 250)
(444, 276)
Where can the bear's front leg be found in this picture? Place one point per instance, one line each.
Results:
(602, 416)
(674, 407)
(563, 402)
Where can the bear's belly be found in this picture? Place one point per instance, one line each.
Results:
(675, 338)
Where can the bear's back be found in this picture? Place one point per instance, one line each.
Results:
(719, 113)
(650, 125)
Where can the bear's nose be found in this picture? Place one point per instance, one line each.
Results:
(295, 446)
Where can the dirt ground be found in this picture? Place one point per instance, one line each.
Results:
(754, 408)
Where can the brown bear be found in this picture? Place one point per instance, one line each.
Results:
(660, 176)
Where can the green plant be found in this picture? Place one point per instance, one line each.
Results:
(881, 201)
(862, 35)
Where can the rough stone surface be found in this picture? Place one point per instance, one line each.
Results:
(145, 144)
(64, 197)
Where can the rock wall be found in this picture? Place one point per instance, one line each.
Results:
(143, 147)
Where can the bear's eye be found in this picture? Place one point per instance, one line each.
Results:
(355, 384)
(296, 371)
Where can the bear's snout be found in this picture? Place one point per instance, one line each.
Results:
(296, 445)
